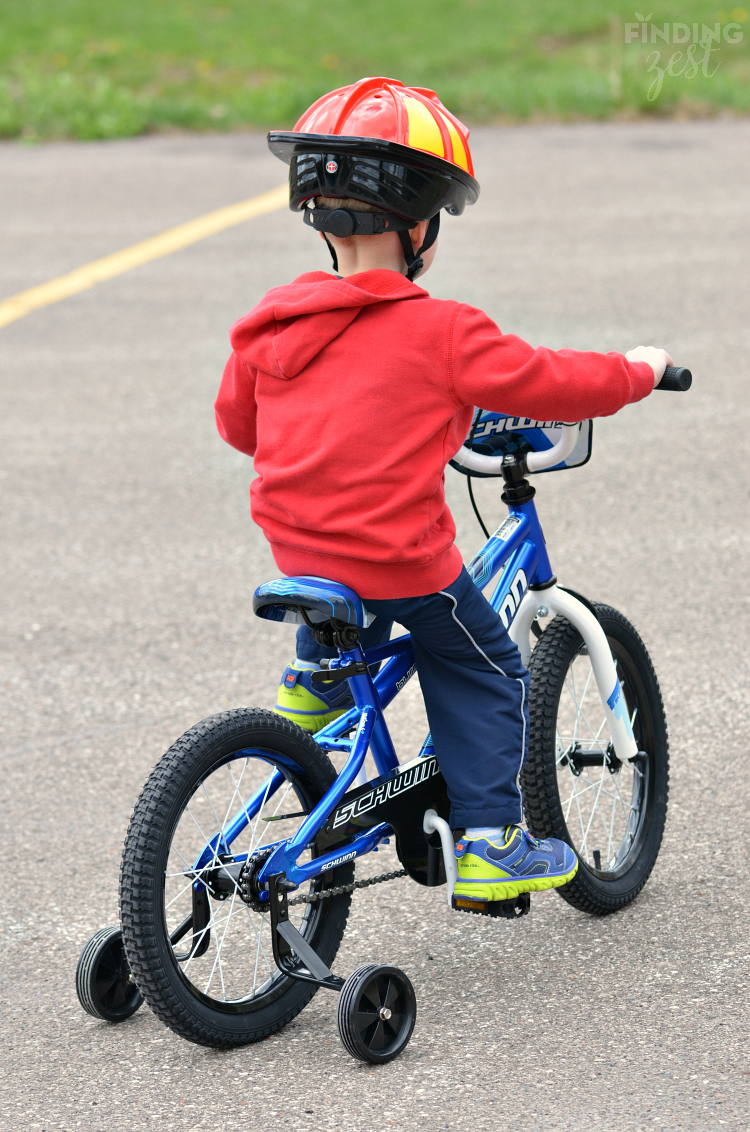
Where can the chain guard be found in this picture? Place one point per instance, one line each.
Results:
(399, 798)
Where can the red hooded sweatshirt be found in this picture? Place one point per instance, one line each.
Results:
(353, 394)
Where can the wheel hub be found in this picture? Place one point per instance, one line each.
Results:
(576, 758)
(221, 881)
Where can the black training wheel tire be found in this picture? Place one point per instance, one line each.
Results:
(104, 985)
(376, 1014)
(614, 862)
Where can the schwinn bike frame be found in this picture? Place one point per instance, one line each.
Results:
(526, 588)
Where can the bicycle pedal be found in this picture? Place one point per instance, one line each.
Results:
(498, 909)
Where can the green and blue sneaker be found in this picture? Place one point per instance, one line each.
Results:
(311, 709)
(502, 867)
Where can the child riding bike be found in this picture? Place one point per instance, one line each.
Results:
(352, 391)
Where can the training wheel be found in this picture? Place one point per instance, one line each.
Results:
(104, 985)
(377, 1012)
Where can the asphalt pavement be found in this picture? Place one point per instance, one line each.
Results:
(128, 565)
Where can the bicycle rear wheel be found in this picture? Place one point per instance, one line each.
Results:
(574, 787)
(198, 946)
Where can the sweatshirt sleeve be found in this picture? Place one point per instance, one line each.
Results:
(503, 373)
(235, 407)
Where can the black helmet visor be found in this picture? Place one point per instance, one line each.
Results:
(396, 178)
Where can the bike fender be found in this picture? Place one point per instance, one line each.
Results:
(562, 602)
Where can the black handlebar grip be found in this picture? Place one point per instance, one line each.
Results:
(677, 379)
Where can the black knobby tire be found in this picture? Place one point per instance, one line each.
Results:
(376, 1013)
(104, 984)
(618, 840)
(225, 1014)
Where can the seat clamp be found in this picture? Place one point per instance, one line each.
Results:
(331, 674)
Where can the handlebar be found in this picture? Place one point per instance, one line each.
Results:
(676, 379)
(535, 461)
(538, 461)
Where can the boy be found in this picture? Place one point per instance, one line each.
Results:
(352, 391)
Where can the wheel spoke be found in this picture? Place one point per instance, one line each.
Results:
(282, 799)
(598, 803)
(182, 892)
(594, 811)
(219, 825)
(206, 840)
(105, 984)
(219, 946)
(260, 949)
(391, 995)
(371, 996)
(394, 1024)
(377, 1041)
(196, 940)
(253, 832)
(186, 863)
(586, 688)
(117, 996)
(594, 734)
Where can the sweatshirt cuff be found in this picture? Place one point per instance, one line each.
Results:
(642, 380)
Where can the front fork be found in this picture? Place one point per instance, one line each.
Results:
(559, 601)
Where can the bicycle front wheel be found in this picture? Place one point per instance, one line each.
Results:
(575, 788)
(198, 942)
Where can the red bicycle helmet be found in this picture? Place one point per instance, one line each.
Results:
(388, 145)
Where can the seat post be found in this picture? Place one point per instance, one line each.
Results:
(365, 694)
(362, 686)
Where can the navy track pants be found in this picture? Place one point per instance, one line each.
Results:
(476, 693)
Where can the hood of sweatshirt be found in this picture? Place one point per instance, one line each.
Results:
(293, 323)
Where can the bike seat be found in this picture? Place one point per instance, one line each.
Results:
(283, 598)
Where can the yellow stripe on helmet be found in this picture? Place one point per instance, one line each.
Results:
(424, 132)
(459, 149)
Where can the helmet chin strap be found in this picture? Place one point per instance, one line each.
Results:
(332, 250)
(414, 261)
(343, 222)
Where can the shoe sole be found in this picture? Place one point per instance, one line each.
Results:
(311, 723)
(510, 889)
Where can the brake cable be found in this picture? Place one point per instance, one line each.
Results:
(480, 520)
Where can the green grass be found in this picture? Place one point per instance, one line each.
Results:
(107, 68)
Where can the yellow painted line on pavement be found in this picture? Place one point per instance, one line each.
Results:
(17, 306)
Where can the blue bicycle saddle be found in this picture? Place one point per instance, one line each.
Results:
(282, 599)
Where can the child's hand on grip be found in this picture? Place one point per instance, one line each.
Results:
(657, 359)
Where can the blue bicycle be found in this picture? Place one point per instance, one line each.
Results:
(246, 808)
